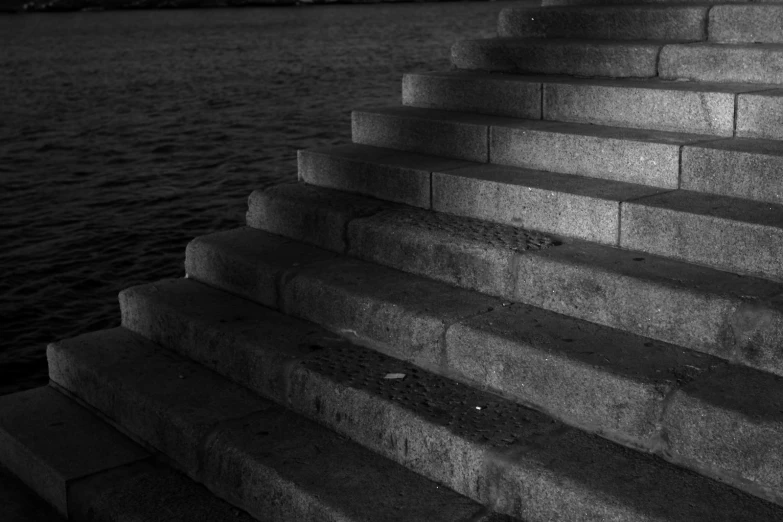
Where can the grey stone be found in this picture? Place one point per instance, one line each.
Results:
(628, 59)
(21, 504)
(759, 115)
(48, 441)
(759, 63)
(402, 177)
(632, 22)
(502, 95)
(553, 203)
(742, 168)
(755, 23)
(727, 233)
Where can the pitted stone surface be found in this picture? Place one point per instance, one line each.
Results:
(746, 23)
(759, 114)
(753, 63)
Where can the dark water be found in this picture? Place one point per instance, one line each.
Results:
(125, 134)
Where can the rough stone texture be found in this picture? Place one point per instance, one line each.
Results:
(509, 458)
(280, 210)
(759, 115)
(502, 95)
(396, 313)
(732, 422)
(728, 233)
(746, 23)
(386, 174)
(644, 104)
(634, 2)
(148, 492)
(635, 156)
(48, 441)
(443, 133)
(561, 204)
(21, 504)
(741, 168)
(247, 261)
(759, 63)
(571, 57)
(606, 22)
(96, 367)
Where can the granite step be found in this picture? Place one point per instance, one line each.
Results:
(647, 157)
(696, 107)
(504, 455)
(558, 3)
(750, 23)
(633, 390)
(633, 22)
(759, 115)
(737, 318)
(713, 62)
(271, 462)
(89, 471)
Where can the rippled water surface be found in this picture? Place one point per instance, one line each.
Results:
(125, 134)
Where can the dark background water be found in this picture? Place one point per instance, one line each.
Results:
(125, 134)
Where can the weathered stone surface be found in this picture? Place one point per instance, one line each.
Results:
(458, 135)
(759, 63)
(759, 115)
(21, 504)
(741, 168)
(48, 441)
(553, 203)
(635, 2)
(644, 104)
(728, 233)
(502, 95)
(279, 210)
(754, 23)
(402, 177)
(606, 22)
(628, 59)
(634, 156)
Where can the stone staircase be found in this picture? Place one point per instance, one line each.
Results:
(548, 287)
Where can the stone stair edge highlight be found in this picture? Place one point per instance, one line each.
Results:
(598, 379)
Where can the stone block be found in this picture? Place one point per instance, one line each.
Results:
(553, 203)
(727, 233)
(708, 62)
(502, 95)
(558, 56)
(637, 22)
(751, 23)
(443, 133)
(644, 104)
(759, 115)
(49, 441)
(634, 156)
(741, 168)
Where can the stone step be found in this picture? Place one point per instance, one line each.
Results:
(751, 23)
(728, 233)
(89, 471)
(573, 57)
(644, 157)
(273, 463)
(704, 108)
(631, 389)
(632, 22)
(711, 62)
(546, 3)
(504, 455)
(737, 318)
(759, 115)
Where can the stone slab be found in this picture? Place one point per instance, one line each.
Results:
(449, 134)
(630, 155)
(502, 95)
(635, 2)
(548, 202)
(730, 234)
(672, 22)
(750, 63)
(754, 23)
(21, 504)
(279, 210)
(590, 58)
(759, 115)
(401, 177)
(49, 441)
(741, 168)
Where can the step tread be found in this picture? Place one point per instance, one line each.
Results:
(236, 441)
(589, 473)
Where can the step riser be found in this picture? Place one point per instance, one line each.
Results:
(558, 3)
(627, 23)
(701, 62)
(759, 115)
(746, 23)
